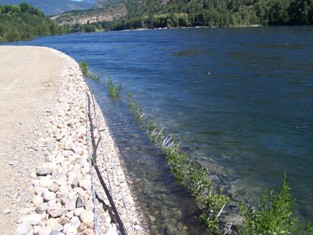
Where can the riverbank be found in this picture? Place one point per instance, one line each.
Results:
(45, 151)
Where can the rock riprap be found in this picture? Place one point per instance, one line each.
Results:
(65, 186)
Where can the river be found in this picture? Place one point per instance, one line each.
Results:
(239, 99)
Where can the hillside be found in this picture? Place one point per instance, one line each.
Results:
(217, 13)
(23, 22)
(110, 13)
(132, 14)
(56, 6)
(107, 3)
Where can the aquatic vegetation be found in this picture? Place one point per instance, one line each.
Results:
(192, 175)
(114, 91)
(84, 67)
(274, 215)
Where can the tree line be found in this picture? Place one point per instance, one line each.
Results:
(210, 13)
(217, 13)
(23, 22)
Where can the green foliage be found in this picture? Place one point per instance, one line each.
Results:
(114, 91)
(23, 22)
(84, 67)
(211, 13)
(274, 215)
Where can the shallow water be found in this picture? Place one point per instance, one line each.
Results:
(241, 98)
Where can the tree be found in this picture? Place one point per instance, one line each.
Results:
(301, 12)
(278, 13)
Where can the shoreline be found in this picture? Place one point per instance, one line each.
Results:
(60, 187)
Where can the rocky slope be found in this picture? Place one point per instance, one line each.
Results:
(90, 16)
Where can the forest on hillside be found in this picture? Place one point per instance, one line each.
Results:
(23, 22)
(212, 13)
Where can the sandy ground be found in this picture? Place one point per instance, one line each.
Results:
(40, 88)
(28, 83)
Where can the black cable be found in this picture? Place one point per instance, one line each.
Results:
(94, 164)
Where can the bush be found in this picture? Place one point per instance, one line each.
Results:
(114, 91)
(274, 215)
(85, 70)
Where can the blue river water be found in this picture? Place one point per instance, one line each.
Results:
(239, 99)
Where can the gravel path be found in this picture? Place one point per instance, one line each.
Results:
(48, 185)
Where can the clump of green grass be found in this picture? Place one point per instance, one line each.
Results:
(274, 215)
(114, 91)
(84, 67)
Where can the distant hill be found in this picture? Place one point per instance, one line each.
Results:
(53, 7)
(107, 14)
(107, 3)
(132, 14)
(24, 22)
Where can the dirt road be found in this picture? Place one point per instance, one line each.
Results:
(28, 85)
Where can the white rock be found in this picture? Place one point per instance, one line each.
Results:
(58, 227)
(56, 210)
(24, 228)
(47, 196)
(70, 231)
(64, 200)
(64, 220)
(85, 170)
(54, 232)
(89, 205)
(73, 179)
(39, 190)
(35, 182)
(51, 223)
(59, 159)
(86, 217)
(42, 208)
(112, 231)
(85, 184)
(69, 214)
(43, 171)
(37, 200)
(75, 222)
(45, 182)
(44, 231)
(139, 230)
(60, 179)
(80, 191)
(32, 219)
(6, 211)
(52, 202)
(54, 187)
(59, 137)
(64, 190)
(71, 205)
(78, 211)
